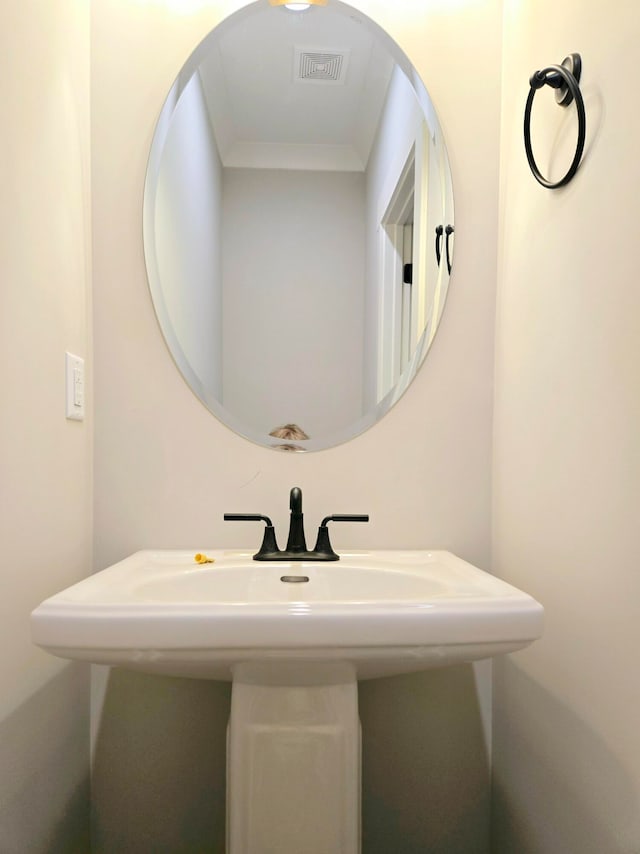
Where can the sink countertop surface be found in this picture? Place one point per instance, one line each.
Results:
(160, 611)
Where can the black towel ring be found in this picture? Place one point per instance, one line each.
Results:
(564, 78)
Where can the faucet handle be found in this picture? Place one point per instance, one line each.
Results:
(247, 517)
(323, 544)
(269, 545)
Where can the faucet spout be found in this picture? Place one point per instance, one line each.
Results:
(296, 542)
(295, 500)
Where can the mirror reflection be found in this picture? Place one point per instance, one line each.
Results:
(298, 224)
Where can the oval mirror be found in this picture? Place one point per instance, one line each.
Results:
(298, 223)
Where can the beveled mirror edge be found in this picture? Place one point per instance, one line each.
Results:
(384, 406)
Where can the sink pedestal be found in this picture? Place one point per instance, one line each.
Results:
(293, 761)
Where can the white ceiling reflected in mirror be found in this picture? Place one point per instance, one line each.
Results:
(298, 223)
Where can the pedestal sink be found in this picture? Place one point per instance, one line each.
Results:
(294, 638)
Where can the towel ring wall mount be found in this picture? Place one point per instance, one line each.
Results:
(565, 80)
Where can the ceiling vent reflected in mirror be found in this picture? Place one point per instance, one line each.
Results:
(315, 66)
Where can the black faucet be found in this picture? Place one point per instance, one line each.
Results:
(296, 544)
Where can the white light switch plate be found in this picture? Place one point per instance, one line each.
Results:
(74, 371)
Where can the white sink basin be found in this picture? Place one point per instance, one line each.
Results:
(379, 613)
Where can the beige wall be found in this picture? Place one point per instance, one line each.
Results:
(45, 523)
(166, 470)
(567, 455)
(566, 472)
(296, 354)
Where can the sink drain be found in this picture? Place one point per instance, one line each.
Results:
(294, 579)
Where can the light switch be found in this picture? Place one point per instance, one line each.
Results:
(74, 367)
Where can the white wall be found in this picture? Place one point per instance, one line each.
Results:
(567, 451)
(188, 238)
(45, 523)
(166, 470)
(292, 340)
